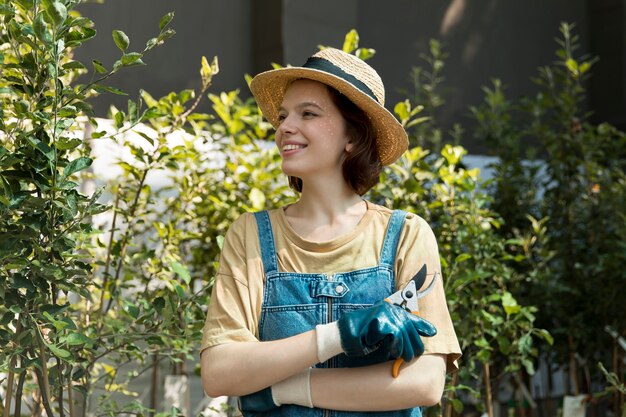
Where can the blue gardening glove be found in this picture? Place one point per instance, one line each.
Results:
(385, 326)
(259, 402)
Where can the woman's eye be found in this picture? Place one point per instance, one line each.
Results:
(308, 114)
(281, 117)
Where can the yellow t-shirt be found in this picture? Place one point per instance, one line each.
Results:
(235, 307)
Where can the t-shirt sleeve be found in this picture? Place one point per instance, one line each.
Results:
(231, 314)
(418, 247)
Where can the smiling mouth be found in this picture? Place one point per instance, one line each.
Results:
(293, 147)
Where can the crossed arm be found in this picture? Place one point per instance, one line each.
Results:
(241, 368)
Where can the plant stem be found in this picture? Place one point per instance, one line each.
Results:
(109, 249)
(11, 375)
(60, 387)
(42, 380)
(18, 394)
(70, 398)
(126, 238)
(448, 404)
(488, 395)
(42, 377)
(9, 392)
(154, 383)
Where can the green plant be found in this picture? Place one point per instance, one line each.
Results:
(574, 181)
(429, 95)
(615, 386)
(49, 352)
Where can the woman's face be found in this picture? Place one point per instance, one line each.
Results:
(311, 137)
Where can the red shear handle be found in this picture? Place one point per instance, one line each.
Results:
(395, 369)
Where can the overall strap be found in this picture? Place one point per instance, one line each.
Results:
(266, 240)
(390, 245)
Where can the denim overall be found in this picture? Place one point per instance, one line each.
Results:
(294, 303)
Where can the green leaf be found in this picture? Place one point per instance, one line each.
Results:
(133, 112)
(180, 291)
(457, 405)
(77, 165)
(510, 304)
(351, 41)
(119, 119)
(57, 12)
(165, 20)
(166, 34)
(529, 365)
(365, 53)
(106, 89)
(572, 66)
(181, 271)
(67, 111)
(72, 203)
(208, 71)
(42, 147)
(401, 109)
(65, 144)
(584, 67)
(74, 65)
(61, 353)
(41, 29)
(463, 257)
(76, 339)
(132, 58)
(121, 40)
(98, 67)
(546, 335)
(6, 9)
(159, 304)
(131, 309)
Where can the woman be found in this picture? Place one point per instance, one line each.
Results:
(296, 324)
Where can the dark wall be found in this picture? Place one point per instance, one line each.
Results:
(203, 27)
(484, 39)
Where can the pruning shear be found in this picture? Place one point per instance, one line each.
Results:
(407, 298)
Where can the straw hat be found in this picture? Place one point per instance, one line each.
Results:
(350, 76)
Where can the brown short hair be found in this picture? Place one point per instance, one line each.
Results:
(362, 166)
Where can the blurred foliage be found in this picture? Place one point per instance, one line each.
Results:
(558, 167)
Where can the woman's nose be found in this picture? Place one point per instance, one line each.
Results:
(286, 126)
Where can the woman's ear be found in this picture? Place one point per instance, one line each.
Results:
(349, 146)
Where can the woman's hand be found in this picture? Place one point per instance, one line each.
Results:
(384, 326)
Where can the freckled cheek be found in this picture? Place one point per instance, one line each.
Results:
(277, 138)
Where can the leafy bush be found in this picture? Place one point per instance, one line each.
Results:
(59, 321)
(574, 181)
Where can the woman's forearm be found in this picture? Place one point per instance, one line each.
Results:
(372, 388)
(241, 368)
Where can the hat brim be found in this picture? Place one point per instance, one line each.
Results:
(269, 88)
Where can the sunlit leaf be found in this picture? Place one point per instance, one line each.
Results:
(77, 165)
(121, 40)
(60, 352)
(181, 271)
(165, 20)
(351, 41)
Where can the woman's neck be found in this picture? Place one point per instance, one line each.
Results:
(326, 212)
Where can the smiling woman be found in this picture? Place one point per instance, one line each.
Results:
(312, 135)
(297, 324)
